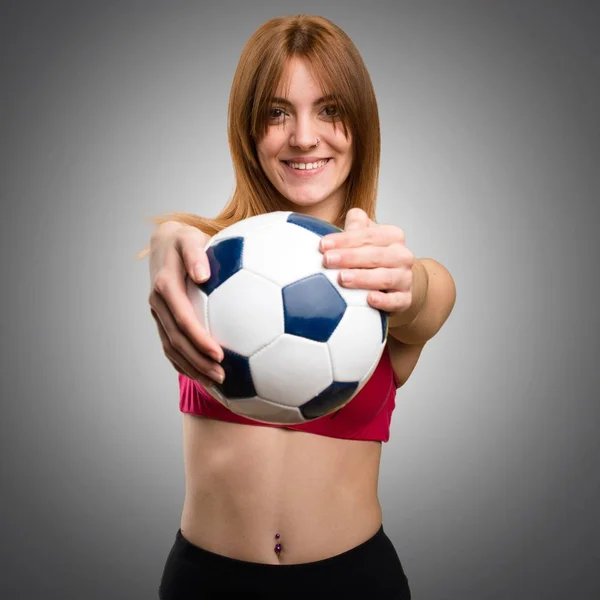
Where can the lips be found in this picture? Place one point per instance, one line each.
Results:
(303, 172)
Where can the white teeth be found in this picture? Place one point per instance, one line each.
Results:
(307, 166)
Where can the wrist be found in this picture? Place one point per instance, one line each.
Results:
(402, 319)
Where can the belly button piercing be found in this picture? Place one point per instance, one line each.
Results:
(277, 546)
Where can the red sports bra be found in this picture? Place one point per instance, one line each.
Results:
(366, 417)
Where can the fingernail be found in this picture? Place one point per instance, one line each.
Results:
(218, 375)
(215, 356)
(332, 259)
(347, 276)
(326, 244)
(200, 273)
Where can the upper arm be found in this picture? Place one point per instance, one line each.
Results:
(441, 296)
(404, 358)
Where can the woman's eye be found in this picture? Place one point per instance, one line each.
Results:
(331, 111)
(276, 113)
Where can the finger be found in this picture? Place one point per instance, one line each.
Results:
(178, 340)
(377, 279)
(190, 243)
(179, 362)
(390, 302)
(196, 367)
(193, 374)
(369, 257)
(170, 296)
(356, 218)
(379, 235)
(186, 331)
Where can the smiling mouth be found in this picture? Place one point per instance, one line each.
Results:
(306, 166)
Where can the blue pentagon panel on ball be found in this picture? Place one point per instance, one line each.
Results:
(313, 224)
(224, 259)
(238, 380)
(328, 400)
(312, 308)
(384, 324)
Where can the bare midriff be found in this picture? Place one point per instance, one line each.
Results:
(277, 496)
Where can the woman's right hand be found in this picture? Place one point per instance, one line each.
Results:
(176, 252)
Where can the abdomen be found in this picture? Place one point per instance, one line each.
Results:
(247, 483)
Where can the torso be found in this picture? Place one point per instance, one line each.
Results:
(246, 483)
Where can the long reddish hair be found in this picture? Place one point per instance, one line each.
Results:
(339, 70)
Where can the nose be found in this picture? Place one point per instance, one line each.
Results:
(304, 133)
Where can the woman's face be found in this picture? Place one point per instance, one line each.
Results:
(289, 150)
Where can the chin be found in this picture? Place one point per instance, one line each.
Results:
(307, 200)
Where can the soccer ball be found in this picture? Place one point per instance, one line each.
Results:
(297, 345)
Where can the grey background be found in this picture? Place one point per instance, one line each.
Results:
(112, 112)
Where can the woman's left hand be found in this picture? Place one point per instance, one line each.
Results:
(372, 257)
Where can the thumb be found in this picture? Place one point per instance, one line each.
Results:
(356, 218)
(191, 244)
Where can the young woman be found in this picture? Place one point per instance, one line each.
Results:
(292, 511)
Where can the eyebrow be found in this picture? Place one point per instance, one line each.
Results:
(286, 102)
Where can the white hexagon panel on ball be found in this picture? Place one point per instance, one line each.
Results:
(292, 370)
(356, 344)
(245, 313)
(288, 253)
(259, 409)
(257, 223)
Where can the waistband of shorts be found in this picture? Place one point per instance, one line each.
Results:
(207, 558)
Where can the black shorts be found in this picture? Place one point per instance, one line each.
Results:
(370, 570)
